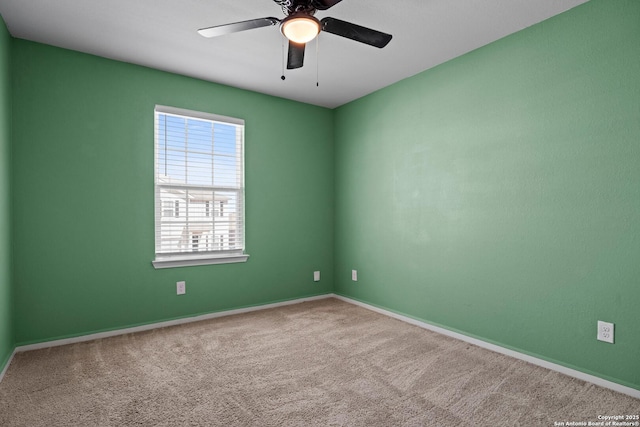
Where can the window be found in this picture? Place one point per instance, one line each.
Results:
(167, 208)
(199, 165)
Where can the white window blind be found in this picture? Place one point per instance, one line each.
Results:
(199, 188)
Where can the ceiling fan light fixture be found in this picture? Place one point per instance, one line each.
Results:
(300, 27)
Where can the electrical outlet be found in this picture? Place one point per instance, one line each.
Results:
(605, 331)
(354, 275)
(181, 288)
(316, 276)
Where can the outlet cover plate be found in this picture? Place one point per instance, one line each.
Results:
(605, 331)
(354, 275)
(181, 288)
(316, 276)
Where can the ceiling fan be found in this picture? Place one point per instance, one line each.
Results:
(300, 27)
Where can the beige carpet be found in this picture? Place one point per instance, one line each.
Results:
(321, 363)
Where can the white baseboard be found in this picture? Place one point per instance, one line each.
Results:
(100, 335)
(502, 350)
(4, 370)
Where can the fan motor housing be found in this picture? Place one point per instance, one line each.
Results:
(292, 6)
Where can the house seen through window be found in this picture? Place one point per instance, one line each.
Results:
(199, 188)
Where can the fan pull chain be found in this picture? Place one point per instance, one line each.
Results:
(317, 61)
(282, 77)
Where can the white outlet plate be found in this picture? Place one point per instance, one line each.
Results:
(316, 276)
(181, 288)
(354, 275)
(605, 331)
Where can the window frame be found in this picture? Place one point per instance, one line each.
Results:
(192, 258)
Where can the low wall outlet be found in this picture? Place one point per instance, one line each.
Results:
(181, 288)
(605, 331)
(354, 275)
(316, 276)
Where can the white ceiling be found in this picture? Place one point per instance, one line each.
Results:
(162, 34)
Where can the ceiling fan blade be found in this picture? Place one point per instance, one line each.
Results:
(324, 4)
(295, 58)
(220, 30)
(355, 32)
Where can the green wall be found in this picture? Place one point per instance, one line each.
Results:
(83, 197)
(6, 330)
(498, 194)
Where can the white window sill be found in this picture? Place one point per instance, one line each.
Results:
(173, 262)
